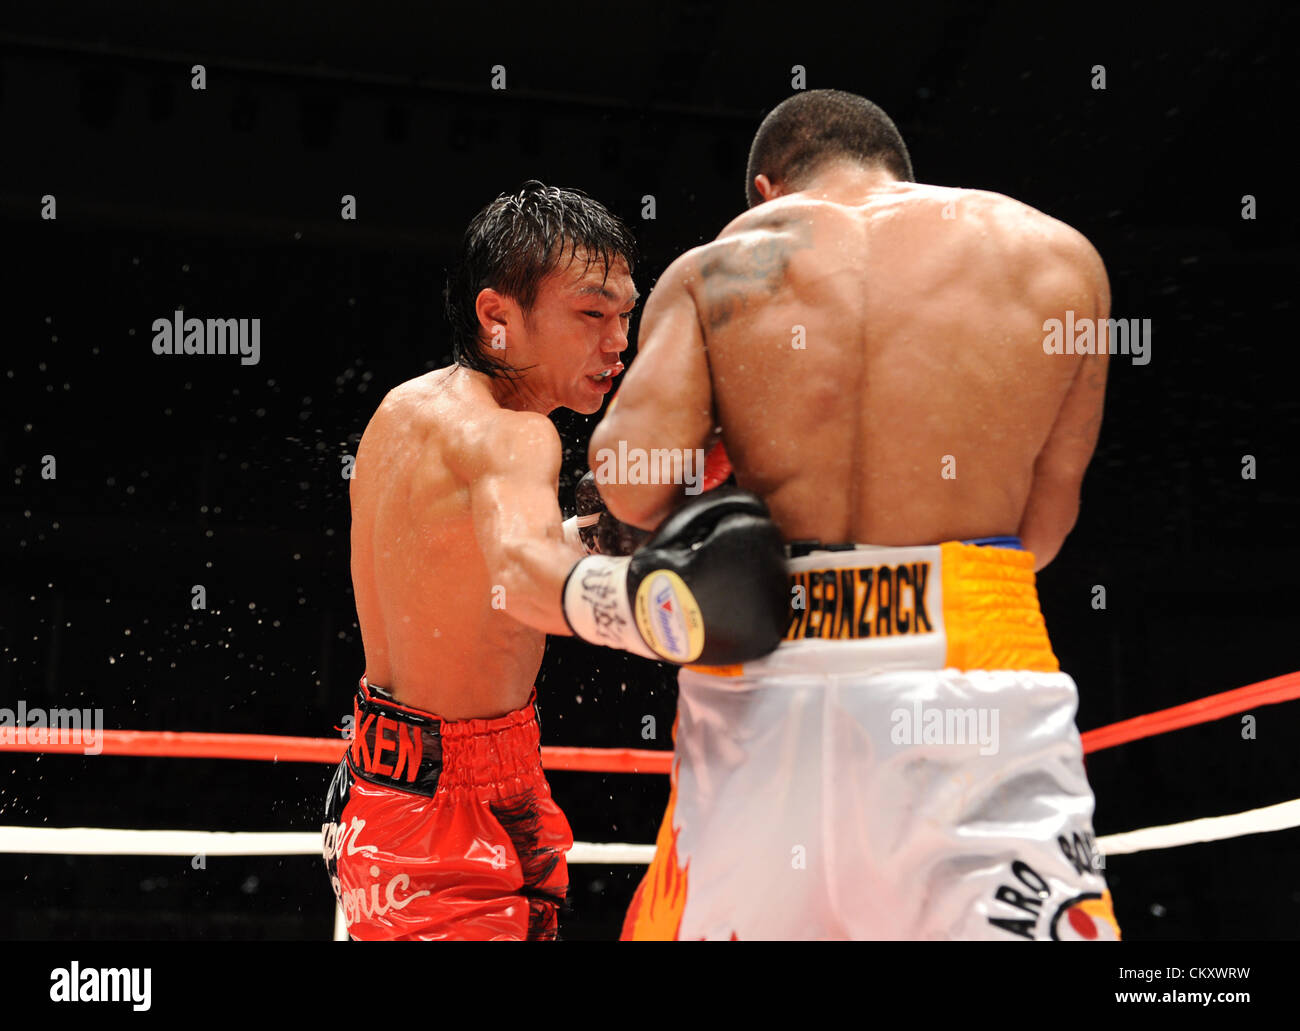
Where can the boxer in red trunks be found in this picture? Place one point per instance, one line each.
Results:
(439, 821)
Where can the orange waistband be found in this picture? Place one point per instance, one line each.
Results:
(950, 605)
(991, 615)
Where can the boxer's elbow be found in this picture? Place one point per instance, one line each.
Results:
(511, 584)
(1046, 526)
(1042, 550)
(639, 505)
(508, 568)
(526, 578)
(603, 445)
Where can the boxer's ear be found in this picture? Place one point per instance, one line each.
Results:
(496, 313)
(765, 188)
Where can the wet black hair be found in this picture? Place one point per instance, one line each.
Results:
(516, 242)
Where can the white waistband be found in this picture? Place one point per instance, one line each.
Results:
(923, 647)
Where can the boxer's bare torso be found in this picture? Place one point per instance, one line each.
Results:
(877, 368)
(424, 593)
(458, 555)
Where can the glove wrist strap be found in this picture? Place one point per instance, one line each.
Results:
(571, 528)
(597, 607)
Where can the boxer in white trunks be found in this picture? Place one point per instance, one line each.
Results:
(872, 352)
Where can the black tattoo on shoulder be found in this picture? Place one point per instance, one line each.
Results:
(750, 266)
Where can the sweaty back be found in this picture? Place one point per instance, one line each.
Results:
(877, 367)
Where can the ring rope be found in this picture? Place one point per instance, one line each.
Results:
(1267, 692)
(184, 744)
(1280, 817)
(103, 841)
(86, 841)
(281, 748)
(278, 748)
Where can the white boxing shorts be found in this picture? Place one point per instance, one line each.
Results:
(904, 766)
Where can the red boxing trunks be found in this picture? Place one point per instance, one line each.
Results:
(439, 829)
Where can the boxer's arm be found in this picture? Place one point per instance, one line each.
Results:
(665, 401)
(1053, 504)
(513, 469)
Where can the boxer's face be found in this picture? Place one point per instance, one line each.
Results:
(577, 329)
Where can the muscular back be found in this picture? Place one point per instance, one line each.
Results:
(878, 370)
(423, 589)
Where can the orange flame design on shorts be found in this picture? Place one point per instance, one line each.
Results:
(1101, 909)
(656, 910)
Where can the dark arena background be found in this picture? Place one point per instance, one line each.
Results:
(173, 472)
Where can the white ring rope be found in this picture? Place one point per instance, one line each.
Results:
(1280, 817)
(99, 841)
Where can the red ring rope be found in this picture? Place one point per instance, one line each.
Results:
(274, 748)
(1203, 710)
(190, 745)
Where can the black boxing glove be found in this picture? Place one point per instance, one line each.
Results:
(599, 532)
(710, 587)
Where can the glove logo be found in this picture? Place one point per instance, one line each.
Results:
(669, 617)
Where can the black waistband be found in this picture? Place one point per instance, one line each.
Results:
(393, 745)
(798, 549)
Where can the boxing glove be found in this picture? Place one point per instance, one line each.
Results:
(709, 587)
(600, 532)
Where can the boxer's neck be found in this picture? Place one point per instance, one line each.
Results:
(517, 394)
(846, 181)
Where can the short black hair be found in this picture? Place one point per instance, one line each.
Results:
(516, 242)
(813, 126)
